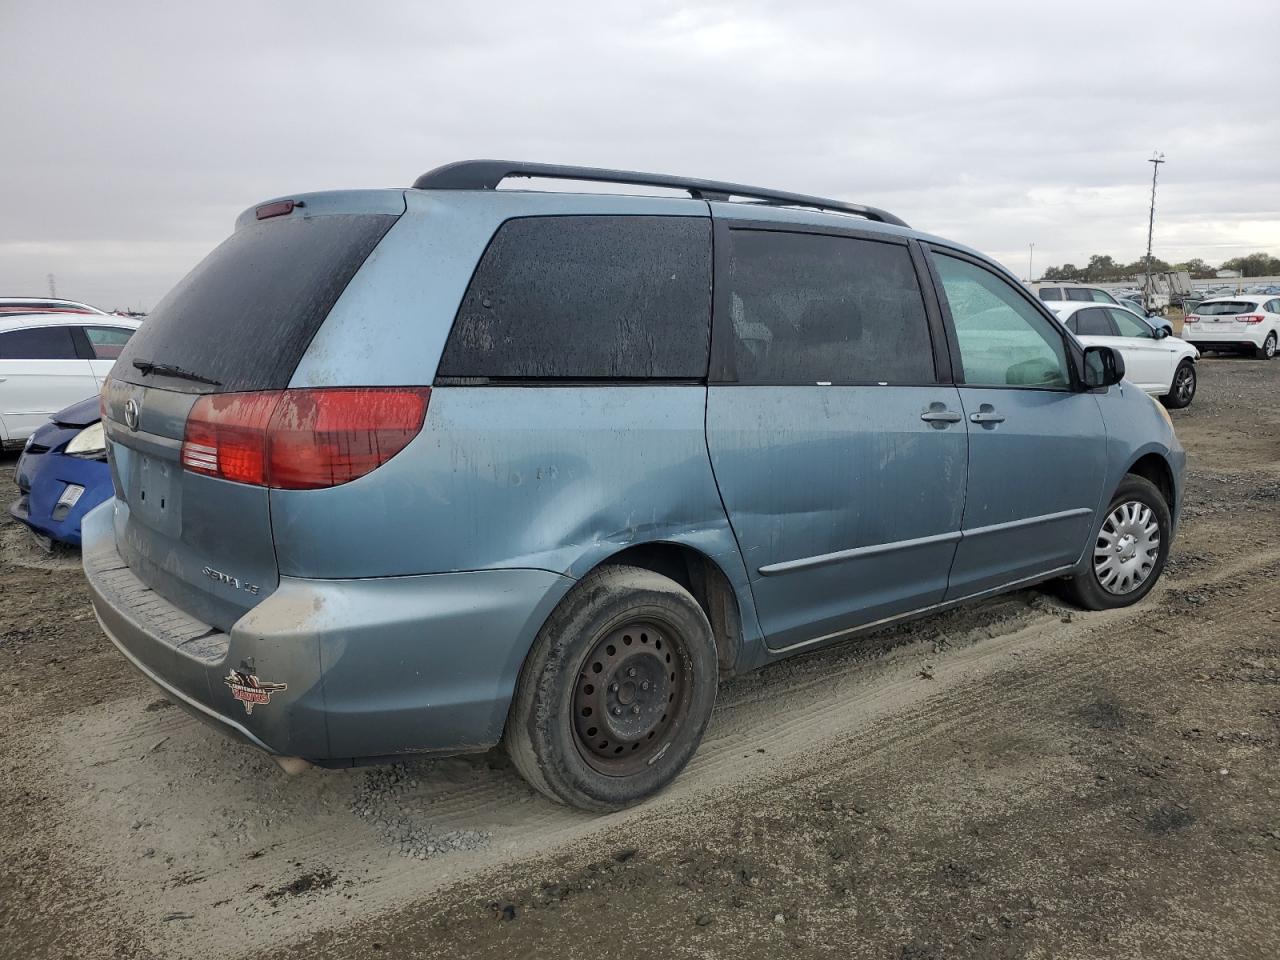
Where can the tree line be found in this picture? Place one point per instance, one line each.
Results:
(1102, 268)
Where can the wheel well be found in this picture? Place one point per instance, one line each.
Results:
(1153, 467)
(705, 580)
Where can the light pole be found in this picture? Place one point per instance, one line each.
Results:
(1157, 158)
(1031, 256)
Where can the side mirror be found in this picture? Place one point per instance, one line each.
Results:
(1161, 332)
(1103, 366)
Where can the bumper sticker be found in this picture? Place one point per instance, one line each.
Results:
(249, 690)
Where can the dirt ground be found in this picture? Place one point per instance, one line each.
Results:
(1017, 779)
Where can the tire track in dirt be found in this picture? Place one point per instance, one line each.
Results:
(1080, 672)
(227, 828)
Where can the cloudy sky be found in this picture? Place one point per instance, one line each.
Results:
(135, 132)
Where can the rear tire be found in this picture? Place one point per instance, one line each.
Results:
(1268, 348)
(616, 693)
(1129, 553)
(1183, 389)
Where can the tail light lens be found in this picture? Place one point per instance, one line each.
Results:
(1191, 319)
(301, 439)
(1251, 318)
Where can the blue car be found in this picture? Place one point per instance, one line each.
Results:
(426, 470)
(63, 473)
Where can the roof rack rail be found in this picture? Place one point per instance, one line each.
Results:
(487, 174)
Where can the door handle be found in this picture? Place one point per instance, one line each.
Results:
(934, 415)
(986, 414)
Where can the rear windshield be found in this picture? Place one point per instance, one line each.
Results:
(1223, 308)
(246, 314)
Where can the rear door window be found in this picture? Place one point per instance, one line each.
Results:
(107, 342)
(1079, 294)
(587, 298)
(1004, 340)
(1094, 322)
(38, 343)
(810, 308)
(1050, 293)
(246, 314)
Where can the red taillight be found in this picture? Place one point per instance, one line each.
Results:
(1252, 318)
(226, 436)
(301, 439)
(1191, 319)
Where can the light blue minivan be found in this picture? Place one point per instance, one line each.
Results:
(405, 472)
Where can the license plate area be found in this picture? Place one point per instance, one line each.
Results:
(154, 491)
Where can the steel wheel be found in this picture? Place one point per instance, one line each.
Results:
(1127, 548)
(632, 694)
(1184, 384)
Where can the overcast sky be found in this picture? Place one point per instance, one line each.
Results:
(134, 133)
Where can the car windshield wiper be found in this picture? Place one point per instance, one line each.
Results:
(169, 370)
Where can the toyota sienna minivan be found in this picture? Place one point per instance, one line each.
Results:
(421, 471)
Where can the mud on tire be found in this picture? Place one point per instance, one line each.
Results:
(616, 693)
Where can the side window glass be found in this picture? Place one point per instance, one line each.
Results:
(38, 343)
(1004, 340)
(807, 308)
(1076, 293)
(1093, 322)
(1129, 325)
(107, 342)
(1101, 296)
(1050, 293)
(587, 298)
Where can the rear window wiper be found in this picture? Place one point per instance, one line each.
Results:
(169, 370)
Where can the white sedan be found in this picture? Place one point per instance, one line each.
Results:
(1248, 322)
(1158, 363)
(51, 360)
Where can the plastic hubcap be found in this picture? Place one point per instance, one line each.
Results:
(1127, 548)
(629, 694)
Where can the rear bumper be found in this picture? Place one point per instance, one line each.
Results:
(1204, 335)
(343, 669)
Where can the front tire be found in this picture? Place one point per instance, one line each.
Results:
(616, 693)
(1129, 553)
(1183, 389)
(1268, 348)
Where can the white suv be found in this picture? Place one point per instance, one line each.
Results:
(1246, 322)
(1159, 363)
(1052, 292)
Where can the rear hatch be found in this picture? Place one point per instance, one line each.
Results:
(232, 331)
(1223, 317)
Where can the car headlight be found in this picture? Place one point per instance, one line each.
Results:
(89, 442)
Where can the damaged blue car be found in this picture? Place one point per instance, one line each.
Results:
(63, 473)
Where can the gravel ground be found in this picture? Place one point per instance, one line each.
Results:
(1017, 779)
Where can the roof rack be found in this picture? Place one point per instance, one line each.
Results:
(487, 174)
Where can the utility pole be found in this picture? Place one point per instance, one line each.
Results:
(1031, 276)
(1157, 158)
(53, 287)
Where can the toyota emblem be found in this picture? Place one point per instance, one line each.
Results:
(131, 413)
